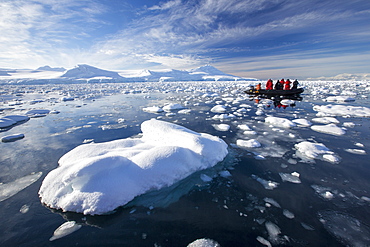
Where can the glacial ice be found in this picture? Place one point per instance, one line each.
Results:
(96, 178)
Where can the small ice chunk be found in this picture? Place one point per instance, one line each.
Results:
(205, 178)
(249, 133)
(349, 124)
(225, 174)
(286, 177)
(312, 150)
(302, 122)
(10, 189)
(273, 231)
(172, 107)
(184, 111)
(252, 143)
(243, 127)
(221, 127)
(11, 138)
(24, 209)
(65, 229)
(355, 151)
(204, 242)
(37, 113)
(288, 214)
(264, 241)
(330, 129)
(325, 120)
(331, 158)
(153, 109)
(218, 109)
(272, 202)
(280, 122)
(267, 184)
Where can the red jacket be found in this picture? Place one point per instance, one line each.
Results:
(269, 85)
(287, 85)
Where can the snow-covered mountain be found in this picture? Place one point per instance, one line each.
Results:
(85, 71)
(90, 74)
(48, 68)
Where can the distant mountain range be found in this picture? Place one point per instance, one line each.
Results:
(88, 73)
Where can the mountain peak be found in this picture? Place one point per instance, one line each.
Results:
(84, 71)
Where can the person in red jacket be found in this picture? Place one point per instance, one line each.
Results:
(287, 84)
(269, 85)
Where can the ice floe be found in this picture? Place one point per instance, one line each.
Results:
(252, 143)
(10, 189)
(96, 178)
(311, 151)
(11, 138)
(65, 229)
(346, 228)
(280, 122)
(342, 110)
(331, 129)
(204, 242)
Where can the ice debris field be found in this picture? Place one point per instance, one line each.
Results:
(96, 178)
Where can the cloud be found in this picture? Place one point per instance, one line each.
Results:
(177, 34)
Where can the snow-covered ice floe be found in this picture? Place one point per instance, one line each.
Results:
(280, 122)
(342, 110)
(310, 151)
(96, 178)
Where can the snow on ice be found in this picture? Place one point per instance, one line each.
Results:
(96, 178)
(311, 151)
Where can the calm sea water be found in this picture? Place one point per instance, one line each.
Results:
(232, 210)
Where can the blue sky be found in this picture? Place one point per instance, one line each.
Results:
(250, 38)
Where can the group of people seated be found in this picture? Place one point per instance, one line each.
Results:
(279, 85)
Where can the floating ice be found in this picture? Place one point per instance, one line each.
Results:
(6, 122)
(243, 127)
(339, 99)
(252, 143)
(288, 214)
(221, 127)
(286, 177)
(96, 178)
(185, 111)
(302, 122)
(153, 109)
(172, 107)
(10, 189)
(11, 138)
(273, 231)
(37, 113)
(355, 151)
(325, 120)
(264, 241)
(272, 202)
(312, 150)
(280, 122)
(342, 110)
(219, 109)
(268, 184)
(10, 120)
(204, 242)
(330, 129)
(347, 229)
(65, 229)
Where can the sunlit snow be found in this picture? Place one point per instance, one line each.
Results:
(99, 177)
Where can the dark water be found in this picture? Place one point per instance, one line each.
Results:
(233, 210)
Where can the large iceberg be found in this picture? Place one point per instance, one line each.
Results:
(96, 178)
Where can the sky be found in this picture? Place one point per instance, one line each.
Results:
(248, 38)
